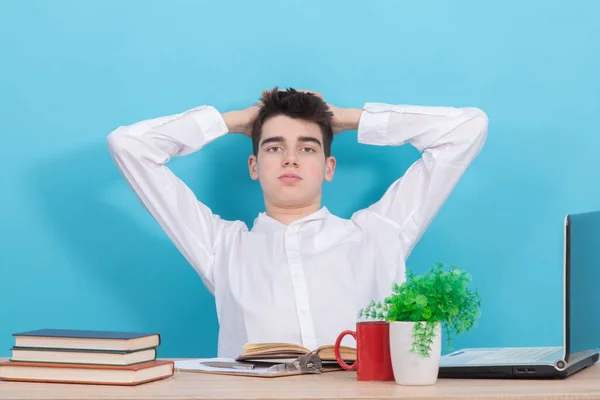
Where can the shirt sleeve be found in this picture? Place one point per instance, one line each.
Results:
(449, 139)
(141, 152)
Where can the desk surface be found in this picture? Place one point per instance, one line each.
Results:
(333, 385)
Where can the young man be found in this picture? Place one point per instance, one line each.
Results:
(301, 274)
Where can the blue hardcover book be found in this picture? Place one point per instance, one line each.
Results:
(70, 339)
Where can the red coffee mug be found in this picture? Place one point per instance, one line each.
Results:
(373, 361)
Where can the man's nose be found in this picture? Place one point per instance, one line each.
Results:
(290, 158)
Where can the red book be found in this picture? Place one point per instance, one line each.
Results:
(127, 375)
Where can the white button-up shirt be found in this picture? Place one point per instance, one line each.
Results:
(305, 282)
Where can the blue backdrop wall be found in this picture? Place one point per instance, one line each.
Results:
(77, 250)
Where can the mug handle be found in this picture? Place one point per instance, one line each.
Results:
(336, 351)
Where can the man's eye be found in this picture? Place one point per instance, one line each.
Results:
(273, 148)
(308, 149)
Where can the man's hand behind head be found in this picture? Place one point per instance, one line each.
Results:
(241, 121)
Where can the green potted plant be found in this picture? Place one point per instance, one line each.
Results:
(417, 310)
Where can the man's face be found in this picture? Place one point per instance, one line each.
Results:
(291, 163)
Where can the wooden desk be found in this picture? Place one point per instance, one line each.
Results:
(331, 385)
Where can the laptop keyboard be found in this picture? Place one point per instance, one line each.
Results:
(518, 354)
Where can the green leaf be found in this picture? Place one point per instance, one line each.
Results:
(427, 313)
(421, 300)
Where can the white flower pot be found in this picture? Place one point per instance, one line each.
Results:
(411, 368)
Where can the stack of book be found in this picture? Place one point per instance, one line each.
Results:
(80, 356)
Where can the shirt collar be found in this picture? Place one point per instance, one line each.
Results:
(264, 223)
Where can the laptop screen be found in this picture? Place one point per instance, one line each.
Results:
(583, 270)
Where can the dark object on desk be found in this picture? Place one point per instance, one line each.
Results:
(581, 328)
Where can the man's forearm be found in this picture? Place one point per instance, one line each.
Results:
(236, 121)
(189, 131)
(347, 119)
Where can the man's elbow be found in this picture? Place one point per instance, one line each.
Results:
(117, 139)
(478, 123)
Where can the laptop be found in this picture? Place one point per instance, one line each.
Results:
(581, 328)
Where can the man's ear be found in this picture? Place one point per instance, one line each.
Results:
(329, 168)
(253, 167)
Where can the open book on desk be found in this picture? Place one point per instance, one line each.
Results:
(289, 351)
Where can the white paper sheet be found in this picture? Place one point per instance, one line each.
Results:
(197, 365)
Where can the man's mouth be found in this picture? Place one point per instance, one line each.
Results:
(290, 178)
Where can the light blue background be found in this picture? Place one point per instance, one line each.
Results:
(77, 250)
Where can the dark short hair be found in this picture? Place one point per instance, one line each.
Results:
(294, 104)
